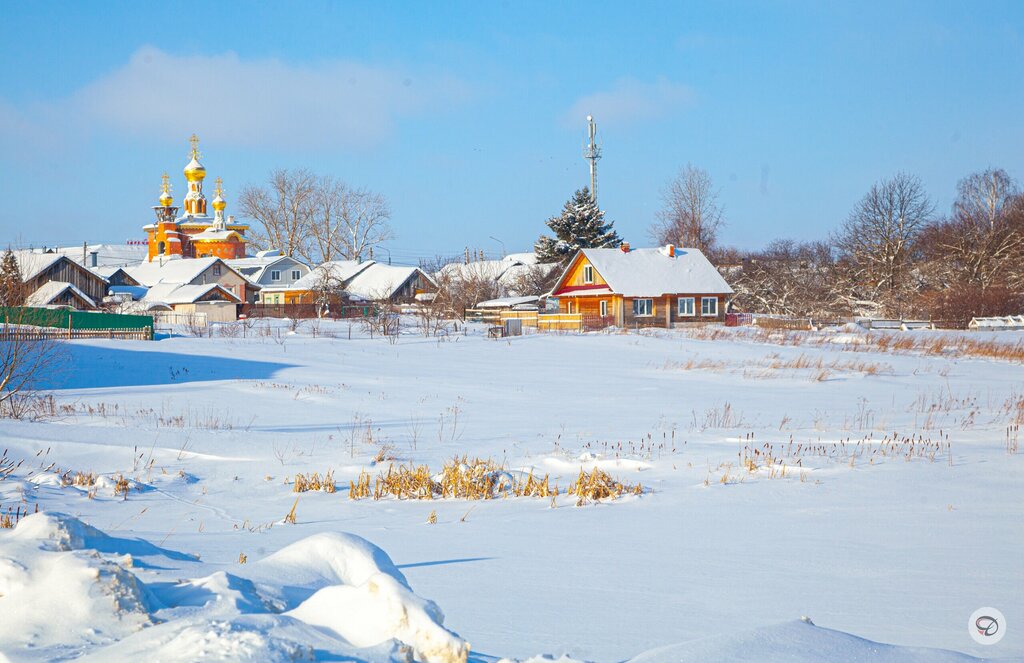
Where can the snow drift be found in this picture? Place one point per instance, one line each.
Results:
(65, 588)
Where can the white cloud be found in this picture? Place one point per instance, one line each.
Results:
(257, 102)
(630, 101)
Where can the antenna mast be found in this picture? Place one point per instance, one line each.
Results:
(592, 153)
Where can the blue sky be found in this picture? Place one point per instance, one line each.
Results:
(470, 117)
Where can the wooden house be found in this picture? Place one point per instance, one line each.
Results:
(194, 271)
(367, 280)
(642, 287)
(273, 272)
(52, 279)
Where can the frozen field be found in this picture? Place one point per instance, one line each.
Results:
(876, 489)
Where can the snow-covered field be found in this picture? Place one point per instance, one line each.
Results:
(890, 507)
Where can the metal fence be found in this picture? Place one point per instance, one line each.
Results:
(69, 319)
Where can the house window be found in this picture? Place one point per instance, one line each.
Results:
(161, 247)
(296, 275)
(588, 273)
(604, 309)
(216, 270)
(275, 275)
(643, 307)
(709, 306)
(686, 306)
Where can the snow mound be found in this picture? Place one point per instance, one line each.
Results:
(219, 594)
(328, 558)
(358, 593)
(589, 461)
(382, 609)
(55, 592)
(260, 637)
(795, 642)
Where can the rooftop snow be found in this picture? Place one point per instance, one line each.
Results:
(650, 272)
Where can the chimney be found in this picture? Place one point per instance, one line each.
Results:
(93, 258)
(625, 247)
(671, 250)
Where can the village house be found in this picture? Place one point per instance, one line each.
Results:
(273, 272)
(367, 280)
(53, 279)
(192, 285)
(642, 287)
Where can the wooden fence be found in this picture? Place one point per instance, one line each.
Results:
(40, 333)
(167, 318)
(545, 321)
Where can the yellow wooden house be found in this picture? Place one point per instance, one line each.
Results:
(642, 287)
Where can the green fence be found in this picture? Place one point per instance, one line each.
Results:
(71, 320)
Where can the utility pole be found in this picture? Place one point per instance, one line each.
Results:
(592, 153)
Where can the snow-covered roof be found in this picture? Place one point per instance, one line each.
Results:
(1003, 322)
(379, 281)
(489, 270)
(653, 272)
(171, 293)
(507, 302)
(213, 235)
(136, 291)
(253, 268)
(107, 255)
(177, 270)
(512, 276)
(31, 263)
(338, 271)
(49, 291)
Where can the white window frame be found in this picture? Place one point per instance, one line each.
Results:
(275, 275)
(703, 307)
(588, 273)
(692, 301)
(649, 307)
(216, 270)
(604, 309)
(296, 274)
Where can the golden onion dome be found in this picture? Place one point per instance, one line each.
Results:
(195, 171)
(165, 191)
(218, 202)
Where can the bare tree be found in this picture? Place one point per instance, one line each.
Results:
(876, 240)
(29, 357)
(982, 243)
(329, 290)
(284, 208)
(317, 218)
(533, 280)
(365, 217)
(788, 278)
(691, 215)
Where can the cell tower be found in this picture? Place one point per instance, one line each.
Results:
(592, 153)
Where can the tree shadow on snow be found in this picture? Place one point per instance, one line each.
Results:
(87, 366)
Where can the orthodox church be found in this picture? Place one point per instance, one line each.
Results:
(194, 234)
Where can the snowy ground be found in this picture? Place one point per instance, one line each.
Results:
(876, 541)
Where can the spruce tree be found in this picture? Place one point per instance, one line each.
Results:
(581, 225)
(12, 288)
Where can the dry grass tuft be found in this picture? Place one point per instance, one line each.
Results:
(9, 519)
(314, 481)
(598, 485)
(478, 479)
